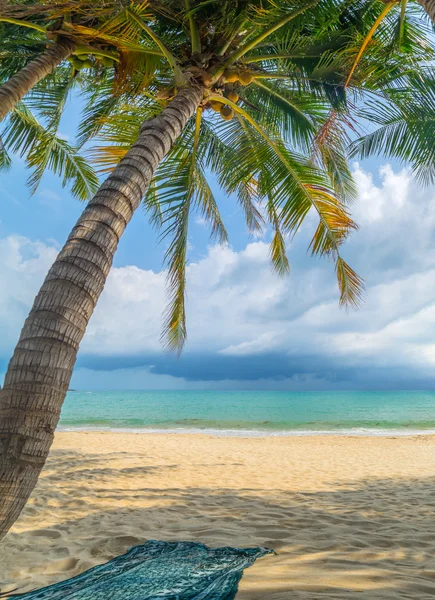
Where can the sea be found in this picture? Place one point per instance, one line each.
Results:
(251, 413)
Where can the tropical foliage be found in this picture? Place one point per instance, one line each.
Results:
(405, 127)
(283, 89)
(402, 117)
(294, 108)
(27, 29)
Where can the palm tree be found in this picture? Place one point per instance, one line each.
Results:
(68, 29)
(243, 92)
(107, 58)
(20, 84)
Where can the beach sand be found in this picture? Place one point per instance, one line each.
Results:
(350, 517)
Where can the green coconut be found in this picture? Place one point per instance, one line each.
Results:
(88, 64)
(107, 62)
(77, 64)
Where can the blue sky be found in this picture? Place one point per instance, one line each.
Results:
(247, 328)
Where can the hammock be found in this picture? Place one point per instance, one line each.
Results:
(159, 571)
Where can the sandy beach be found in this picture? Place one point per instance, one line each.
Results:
(348, 516)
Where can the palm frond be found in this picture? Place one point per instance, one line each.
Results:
(180, 185)
(5, 159)
(406, 126)
(229, 155)
(152, 206)
(269, 29)
(296, 186)
(351, 285)
(294, 114)
(278, 252)
(368, 38)
(330, 149)
(43, 149)
(402, 20)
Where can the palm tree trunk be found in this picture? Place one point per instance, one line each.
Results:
(20, 84)
(429, 7)
(40, 370)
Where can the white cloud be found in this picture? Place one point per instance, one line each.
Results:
(238, 307)
(23, 266)
(375, 203)
(128, 317)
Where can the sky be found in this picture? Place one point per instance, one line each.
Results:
(247, 328)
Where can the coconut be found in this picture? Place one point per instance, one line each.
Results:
(107, 62)
(245, 77)
(77, 64)
(227, 113)
(88, 64)
(233, 96)
(216, 105)
(231, 76)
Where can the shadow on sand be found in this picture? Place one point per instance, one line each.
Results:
(370, 540)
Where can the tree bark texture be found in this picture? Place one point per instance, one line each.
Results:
(40, 370)
(20, 84)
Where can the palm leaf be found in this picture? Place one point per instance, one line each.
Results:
(180, 185)
(278, 253)
(351, 285)
(44, 149)
(295, 187)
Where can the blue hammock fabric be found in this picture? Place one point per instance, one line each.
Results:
(159, 571)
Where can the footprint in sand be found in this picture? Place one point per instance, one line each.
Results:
(100, 552)
(62, 565)
(53, 567)
(30, 511)
(120, 544)
(48, 533)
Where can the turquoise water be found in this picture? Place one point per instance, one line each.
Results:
(252, 413)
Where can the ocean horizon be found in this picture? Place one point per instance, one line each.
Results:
(251, 413)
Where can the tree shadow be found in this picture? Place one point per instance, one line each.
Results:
(372, 539)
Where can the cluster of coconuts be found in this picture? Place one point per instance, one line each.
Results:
(231, 76)
(241, 76)
(84, 61)
(226, 112)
